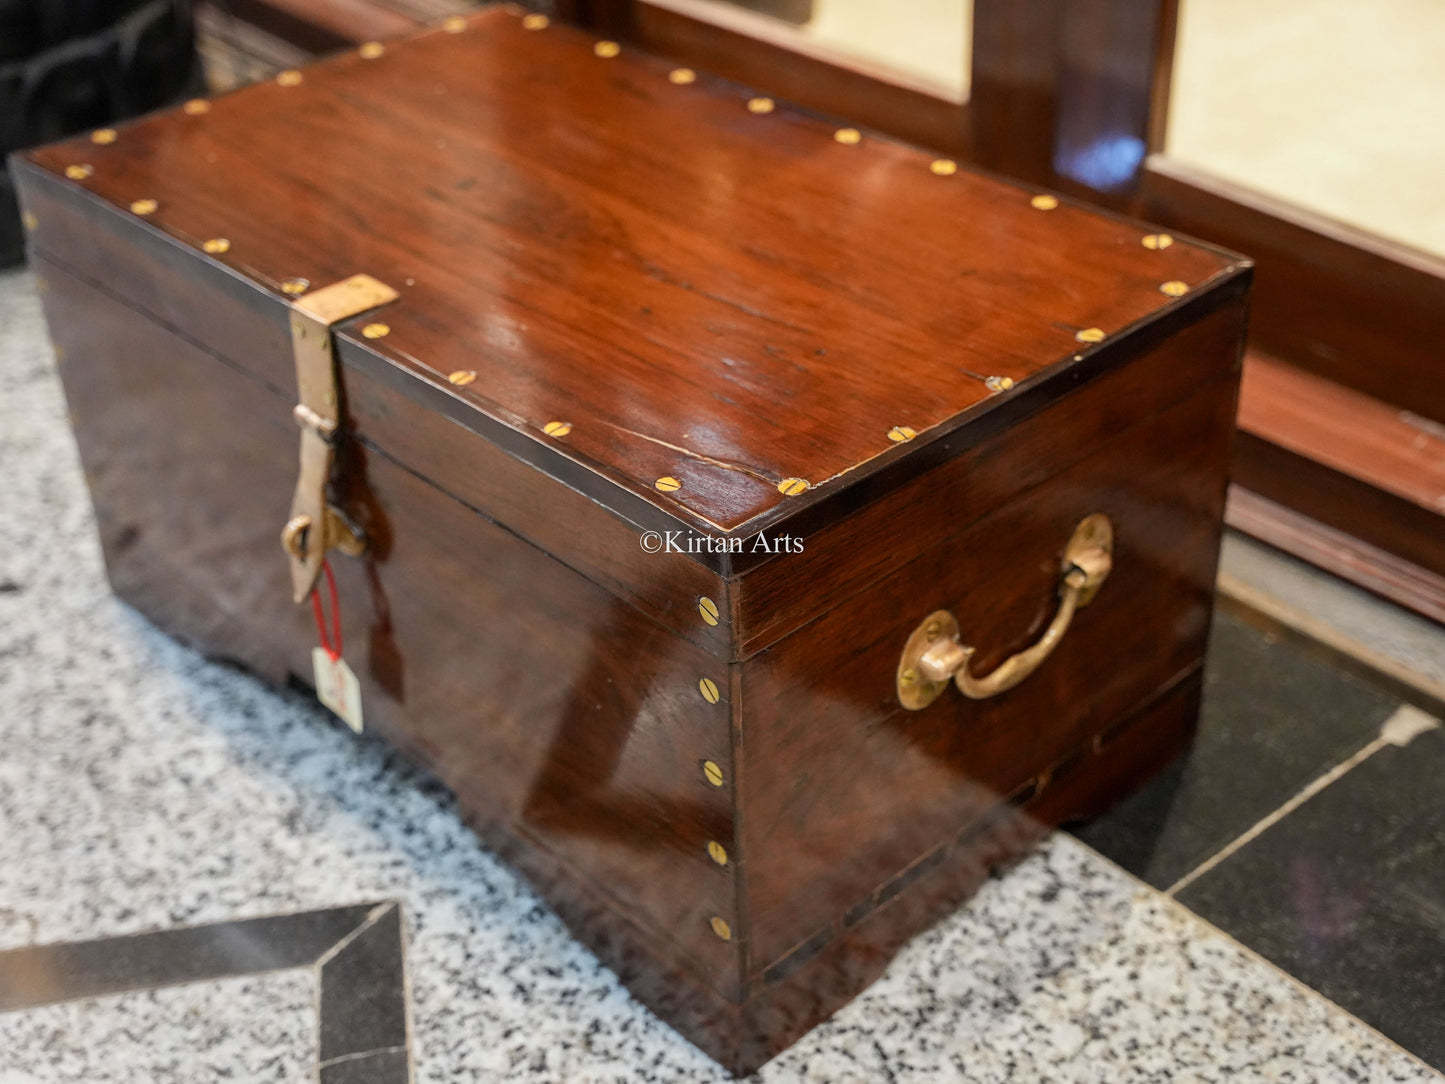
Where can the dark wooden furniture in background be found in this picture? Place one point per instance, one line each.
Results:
(888, 385)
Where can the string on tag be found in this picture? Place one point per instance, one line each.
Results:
(332, 653)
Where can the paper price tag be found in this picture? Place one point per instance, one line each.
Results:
(337, 687)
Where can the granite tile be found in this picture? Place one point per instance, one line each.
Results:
(1274, 719)
(259, 1029)
(143, 788)
(1348, 893)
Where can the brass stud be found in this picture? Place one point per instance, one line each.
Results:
(721, 928)
(944, 167)
(933, 631)
(144, 207)
(607, 49)
(999, 383)
(375, 331)
(1090, 335)
(708, 688)
(103, 136)
(29, 220)
(1156, 240)
(295, 287)
(1174, 288)
(681, 76)
(216, 245)
(760, 105)
(1044, 202)
(557, 429)
(196, 106)
(462, 377)
(708, 608)
(848, 136)
(712, 773)
(80, 171)
(667, 484)
(900, 433)
(371, 50)
(791, 487)
(535, 21)
(909, 677)
(454, 24)
(717, 852)
(289, 78)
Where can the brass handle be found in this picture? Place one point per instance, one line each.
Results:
(934, 653)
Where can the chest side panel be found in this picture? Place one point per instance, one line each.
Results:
(841, 788)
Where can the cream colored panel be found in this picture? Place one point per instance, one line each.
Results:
(922, 44)
(1337, 106)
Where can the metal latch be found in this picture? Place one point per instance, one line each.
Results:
(315, 525)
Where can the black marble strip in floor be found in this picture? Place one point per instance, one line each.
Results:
(1346, 889)
(1347, 893)
(1274, 719)
(358, 951)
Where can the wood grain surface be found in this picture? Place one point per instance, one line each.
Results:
(631, 269)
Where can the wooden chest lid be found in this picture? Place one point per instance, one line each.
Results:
(732, 309)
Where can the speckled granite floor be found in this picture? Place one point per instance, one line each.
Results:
(142, 788)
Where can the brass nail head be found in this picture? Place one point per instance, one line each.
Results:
(717, 852)
(909, 677)
(760, 105)
(709, 690)
(708, 608)
(712, 773)
(80, 171)
(607, 49)
(1174, 288)
(535, 21)
(454, 24)
(289, 78)
(216, 245)
(462, 377)
(681, 76)
(371, 50)
(721, 928)
(999, 383)
(295, 287)
(144, 207)
(103, 136)
(944, 167)
(1044, 202)
(933, 631)
(375, 331)
(29, 220)
(900, 433)
(196, 106)
(1156, 240)
(1090, 335)
(557, 429)
(791, 487)
(848, 136)
(667, 484)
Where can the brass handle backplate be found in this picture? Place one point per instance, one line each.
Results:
(934, 653)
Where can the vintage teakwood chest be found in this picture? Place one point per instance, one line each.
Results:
(688, 442)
